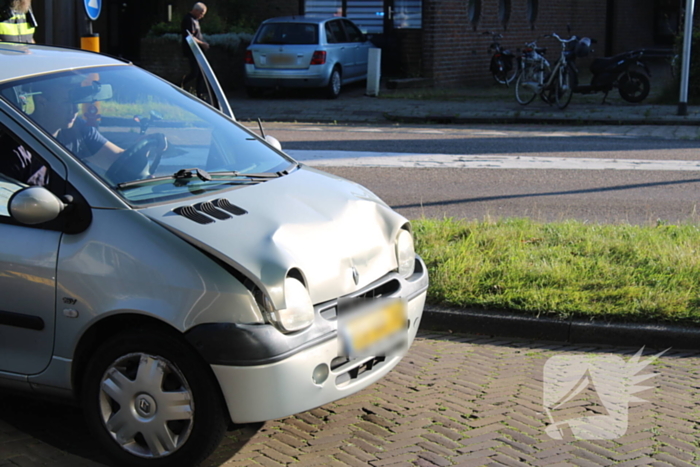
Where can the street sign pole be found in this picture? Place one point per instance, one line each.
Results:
(90, 40)
(685, 69)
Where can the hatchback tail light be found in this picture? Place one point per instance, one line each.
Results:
(249, 57)
(319, 58)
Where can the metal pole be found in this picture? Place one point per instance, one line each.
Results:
(685, 69)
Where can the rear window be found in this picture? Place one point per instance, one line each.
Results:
(288, 33)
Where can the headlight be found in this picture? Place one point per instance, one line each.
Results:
(405, 253)
(299, 313)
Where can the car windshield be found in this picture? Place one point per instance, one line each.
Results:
(288, 33)
(148, 140)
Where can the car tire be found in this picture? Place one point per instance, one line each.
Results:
(151, 401)
(335, 83)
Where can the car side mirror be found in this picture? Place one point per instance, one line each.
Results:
(274, 142)
(35, 205)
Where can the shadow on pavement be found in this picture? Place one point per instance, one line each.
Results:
(47, 432)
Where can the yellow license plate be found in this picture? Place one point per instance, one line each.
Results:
(373, 326)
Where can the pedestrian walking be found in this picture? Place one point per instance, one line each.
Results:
(190, 26)
(17, 21)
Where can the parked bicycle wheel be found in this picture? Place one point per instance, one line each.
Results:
(564, 87)
(505, 77)
(526, 86)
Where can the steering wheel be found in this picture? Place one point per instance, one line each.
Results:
(140, 160)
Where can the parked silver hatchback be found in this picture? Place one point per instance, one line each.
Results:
(309, 52)
(174, 272)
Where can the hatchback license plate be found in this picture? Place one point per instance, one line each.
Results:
(374, 329)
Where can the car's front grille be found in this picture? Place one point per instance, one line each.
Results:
(348, 370)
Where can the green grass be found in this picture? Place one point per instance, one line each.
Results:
(608, 272)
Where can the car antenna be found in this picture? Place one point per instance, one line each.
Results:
(262, 130)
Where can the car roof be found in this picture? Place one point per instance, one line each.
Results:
(23, 60)
(301, 19)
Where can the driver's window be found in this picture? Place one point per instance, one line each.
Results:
(20, 167)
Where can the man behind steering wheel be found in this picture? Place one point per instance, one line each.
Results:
(56, 110)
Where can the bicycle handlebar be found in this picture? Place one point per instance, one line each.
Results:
(563, 41)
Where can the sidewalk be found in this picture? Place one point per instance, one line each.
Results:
(486, 104)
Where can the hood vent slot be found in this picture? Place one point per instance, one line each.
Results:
(192, 214)
(223, 203)
(209, 209)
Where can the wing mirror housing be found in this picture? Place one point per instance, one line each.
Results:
(274, 142)
(35, 205)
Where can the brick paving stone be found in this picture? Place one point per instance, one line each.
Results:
(436, 448)
(455, 399)
(358, 453)
(435, 458)
(638, 462)
(399, 451)
(442, 441)
(402, 459)
(509, 461)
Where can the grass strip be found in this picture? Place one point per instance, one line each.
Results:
(618, 272)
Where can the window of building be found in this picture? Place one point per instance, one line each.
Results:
(323, 7)
(532, 10)
(408, 14)
(474, 12)
(504, 12)
(367, 14)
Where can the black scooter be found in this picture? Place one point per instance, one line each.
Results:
(615, 72)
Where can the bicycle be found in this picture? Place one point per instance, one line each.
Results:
(501, 66)
(536, 78)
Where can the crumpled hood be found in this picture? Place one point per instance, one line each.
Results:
(320, 224)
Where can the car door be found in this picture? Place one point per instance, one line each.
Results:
(337, 48)
(28, 258)
(358, 45)
(217, 97)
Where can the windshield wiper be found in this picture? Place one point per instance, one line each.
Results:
(184, 176)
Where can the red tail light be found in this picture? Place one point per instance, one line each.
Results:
(249, 57)
(319, 57)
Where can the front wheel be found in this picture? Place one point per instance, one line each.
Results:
(564, 87)
(525, 87)
(634, 86)
(334, 84)
(151, 402)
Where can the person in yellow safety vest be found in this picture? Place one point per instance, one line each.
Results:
(17, 22)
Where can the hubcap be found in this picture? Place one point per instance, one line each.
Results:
(336, 82)
(146, 405)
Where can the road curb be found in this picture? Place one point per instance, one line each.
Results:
(542, 120)
(573, 331)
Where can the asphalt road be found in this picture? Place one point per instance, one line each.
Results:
(595, 195)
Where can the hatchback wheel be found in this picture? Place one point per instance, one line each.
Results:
(151, 401)
(334, 84)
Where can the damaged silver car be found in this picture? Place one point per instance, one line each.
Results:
(174, 272)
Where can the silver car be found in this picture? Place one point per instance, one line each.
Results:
(308, 52)
(172, 271)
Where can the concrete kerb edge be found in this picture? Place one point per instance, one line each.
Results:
(450, 119)
(573, 331)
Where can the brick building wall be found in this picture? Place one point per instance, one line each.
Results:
(634, 25)
(455, 54)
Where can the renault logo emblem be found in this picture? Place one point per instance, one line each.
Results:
(355, 275)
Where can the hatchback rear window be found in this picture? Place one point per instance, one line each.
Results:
(288, 33)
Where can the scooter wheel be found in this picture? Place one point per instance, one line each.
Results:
(634, 86)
